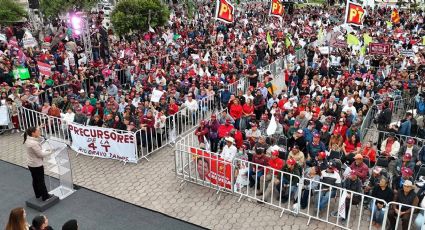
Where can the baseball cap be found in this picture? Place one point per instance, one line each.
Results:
(410, 141)
(408, 183)
(228, 121)
(291, 161)
(358, 156)
(322, 155)
(406, 171)
(275, 153)
(316, 135)
(325, 128)
(407, 156)
(300, 131)
(377, 170)
(353, 173)
(297, 123)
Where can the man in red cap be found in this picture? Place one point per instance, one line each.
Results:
(406, 161)
(288, 186)
(397, 183)
(325, 136)
(410, 148)
(267, 181)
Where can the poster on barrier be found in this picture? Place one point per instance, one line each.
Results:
(4, 116)
(103, 143)
(208, 169)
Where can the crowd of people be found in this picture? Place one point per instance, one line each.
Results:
(316, 119)
(18, 221)
(190, 61)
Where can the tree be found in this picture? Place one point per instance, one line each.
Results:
(136, 15)
(11, 11)
(53, 8)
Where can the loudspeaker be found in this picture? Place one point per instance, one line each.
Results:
(34, 4)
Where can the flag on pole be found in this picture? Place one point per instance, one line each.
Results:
(224, 11)
(288, 41)
(352, 40)
(395, 16)
(276, 8)
(367, 39)
(269, 40)
(354, 14)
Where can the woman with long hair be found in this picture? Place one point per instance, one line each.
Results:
(17, 220)
(35, 156)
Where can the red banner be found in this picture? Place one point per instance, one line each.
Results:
(212, 168)
(45, 69)
(224, 11)
(354, 14)
(276, 8)
(379, 49)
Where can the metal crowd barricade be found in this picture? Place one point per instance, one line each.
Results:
(49, 126)
(412, 217)
(151, 140)
(398, 107)
(401, 138)
(203, 168)
(334, 199)
(275, 188)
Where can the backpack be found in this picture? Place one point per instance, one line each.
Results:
(421, 107)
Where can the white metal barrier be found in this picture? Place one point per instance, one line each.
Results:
(273, 187)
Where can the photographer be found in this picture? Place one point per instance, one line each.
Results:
(383, 120)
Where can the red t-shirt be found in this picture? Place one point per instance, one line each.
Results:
(236, 111)
(350, 147)
(248, 109)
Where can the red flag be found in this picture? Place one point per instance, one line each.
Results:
(276, 8)
(354, 14)
(224, 11)
(395, 17)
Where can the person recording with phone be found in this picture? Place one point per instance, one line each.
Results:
(35, 156)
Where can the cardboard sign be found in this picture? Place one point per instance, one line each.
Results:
(354, 14)
(407, 53)
(22, 73)
(379, 49)
(45, 69)
(224, 11)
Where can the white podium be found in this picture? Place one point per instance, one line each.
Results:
(59, 164)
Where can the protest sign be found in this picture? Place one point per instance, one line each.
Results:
(379, 49)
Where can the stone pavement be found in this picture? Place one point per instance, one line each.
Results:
(154, 185)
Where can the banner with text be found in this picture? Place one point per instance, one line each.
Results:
(103, 143)
(212, 168)
(379, 48)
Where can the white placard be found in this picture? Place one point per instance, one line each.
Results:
(156, 95)
(4, 116)
(104, 143)
(3, 38)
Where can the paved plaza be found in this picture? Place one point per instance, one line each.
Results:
(153, 185)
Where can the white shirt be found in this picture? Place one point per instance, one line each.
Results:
(289, 105)
(191, 105)
(228, 153)
(135, 101)
(68, 117)
(334, 175)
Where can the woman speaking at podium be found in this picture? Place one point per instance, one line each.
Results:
(35, 156)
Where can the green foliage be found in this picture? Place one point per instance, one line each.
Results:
(10, 12)
(133, 15)
(52, 8)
